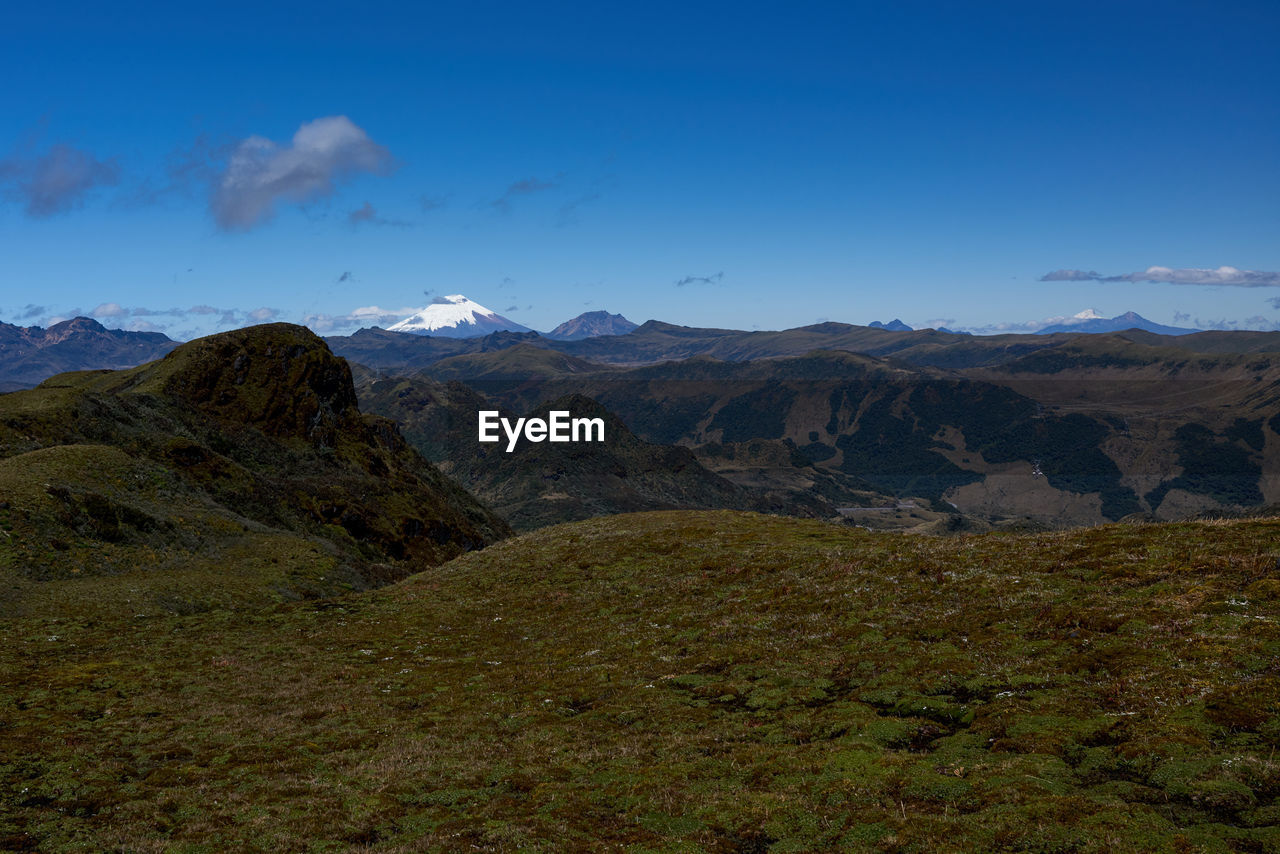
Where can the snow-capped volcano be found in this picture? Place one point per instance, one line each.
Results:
(455, 316)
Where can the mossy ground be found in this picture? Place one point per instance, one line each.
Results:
(88, 531)
(681, 682)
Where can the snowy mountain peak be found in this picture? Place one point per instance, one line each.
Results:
(456, 316)
(1089, 314)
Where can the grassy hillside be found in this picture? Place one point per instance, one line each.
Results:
(237, 470)
(681, 681)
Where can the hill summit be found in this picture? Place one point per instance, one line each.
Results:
(592, 324)
(235, 471)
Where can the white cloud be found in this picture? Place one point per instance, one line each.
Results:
(1228, 276)
(365, 316)
(57, 181)
(109, 309)
(261, 172)
(1071, 276)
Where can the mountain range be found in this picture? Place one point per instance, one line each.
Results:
(455, 325)
(1091, 321)
(29, 354)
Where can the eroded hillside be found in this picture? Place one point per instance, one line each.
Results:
(238, 469)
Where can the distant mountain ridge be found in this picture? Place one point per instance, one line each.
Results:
(456, 316)
(591, 324)
(30, 354)
(894, 325)
(1089, 321)
(655, 341)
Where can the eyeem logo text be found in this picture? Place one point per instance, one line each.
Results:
(560, 426)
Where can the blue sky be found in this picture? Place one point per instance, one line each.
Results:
(748, 165)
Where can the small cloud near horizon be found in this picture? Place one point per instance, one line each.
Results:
(1071, 276)
(365, 316)
(109, 309)
(132, 318)
(1223, 276)
(1256, 323)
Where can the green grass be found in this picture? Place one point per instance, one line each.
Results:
(681, 682)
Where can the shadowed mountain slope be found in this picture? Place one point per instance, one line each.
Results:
(545, 483)
(1087, 429)
(900, 430)
(237, 469)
